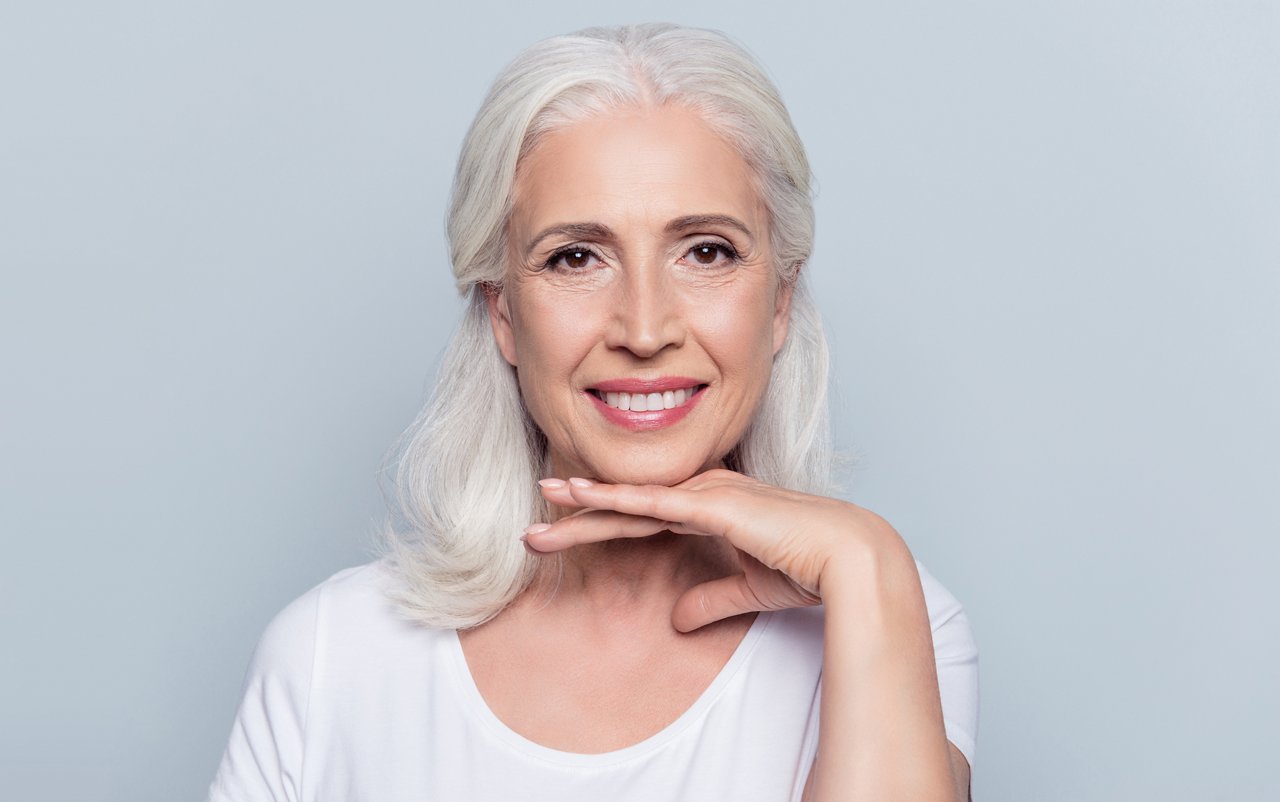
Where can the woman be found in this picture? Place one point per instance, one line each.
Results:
(638, 394)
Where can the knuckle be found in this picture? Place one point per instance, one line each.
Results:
(703, 602)
(734, 494)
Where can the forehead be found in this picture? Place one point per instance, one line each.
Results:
(640, 166)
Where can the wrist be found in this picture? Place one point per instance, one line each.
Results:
(877, 569)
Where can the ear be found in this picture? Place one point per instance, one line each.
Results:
(782, 315)
(495, 297)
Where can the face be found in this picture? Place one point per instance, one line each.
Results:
(641, 309)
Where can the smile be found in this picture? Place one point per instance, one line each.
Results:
(645, 402)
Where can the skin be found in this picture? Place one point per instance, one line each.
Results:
(667, 556)
(642, 306)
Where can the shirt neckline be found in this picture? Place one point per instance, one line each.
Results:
(474, 701)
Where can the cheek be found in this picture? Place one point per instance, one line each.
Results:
(742, 331)
(536, 326)
(551, 340)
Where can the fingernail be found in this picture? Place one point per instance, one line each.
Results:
(551, 484)
(581, 482)
(535, 529)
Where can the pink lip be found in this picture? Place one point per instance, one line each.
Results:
(652, 419)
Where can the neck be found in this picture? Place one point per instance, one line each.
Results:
(627, 576)
(631, 576)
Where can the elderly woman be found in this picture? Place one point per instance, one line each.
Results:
(617, 574)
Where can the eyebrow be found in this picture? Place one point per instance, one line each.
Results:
(598, 231)
(704, 220)
(594, 231)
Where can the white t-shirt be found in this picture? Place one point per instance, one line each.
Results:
(348, 701)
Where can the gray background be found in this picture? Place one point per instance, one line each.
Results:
(1049, 239)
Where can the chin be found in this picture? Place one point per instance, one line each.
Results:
(657, 471)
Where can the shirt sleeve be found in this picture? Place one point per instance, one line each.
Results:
(956, 656)
(263, 759)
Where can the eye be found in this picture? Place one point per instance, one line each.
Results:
(712, 254)
(574, 259)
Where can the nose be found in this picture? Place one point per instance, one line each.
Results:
(647, 318)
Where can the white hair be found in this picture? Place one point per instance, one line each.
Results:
(465, 484)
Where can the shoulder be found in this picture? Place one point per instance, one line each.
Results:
(331, 625)
(353, 597)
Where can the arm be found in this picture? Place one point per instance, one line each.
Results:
(959, 773)
(882, 734)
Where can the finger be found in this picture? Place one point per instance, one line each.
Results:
(590, 526)
(713, 601)
(696, 512)
(557, 492)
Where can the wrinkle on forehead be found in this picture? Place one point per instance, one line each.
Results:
(652, 161)
(620, 115)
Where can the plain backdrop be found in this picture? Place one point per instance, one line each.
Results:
(1048, 255)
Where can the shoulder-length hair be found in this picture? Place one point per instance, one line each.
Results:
(465, 482)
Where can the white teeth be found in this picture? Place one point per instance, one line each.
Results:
(647, 402)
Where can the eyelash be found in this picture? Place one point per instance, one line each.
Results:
(723, 247)
(555, 257)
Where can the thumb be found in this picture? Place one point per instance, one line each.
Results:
(715, 600)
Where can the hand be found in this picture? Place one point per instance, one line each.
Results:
(786, 540)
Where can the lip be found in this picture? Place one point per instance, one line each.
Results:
(650, 419)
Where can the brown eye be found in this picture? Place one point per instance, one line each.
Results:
(711, 254)
(572, 259)
(576, 259)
